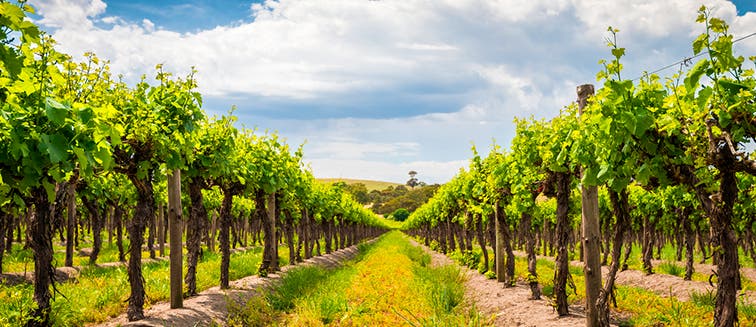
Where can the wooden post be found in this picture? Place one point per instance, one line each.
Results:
(71, 213)
(499, 252)
(160, 227)
(174, 216)
(591, 238)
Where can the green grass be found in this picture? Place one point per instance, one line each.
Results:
(100, 293)
(672, 268)
(389, 283)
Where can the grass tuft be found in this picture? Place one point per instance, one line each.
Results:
(704, 299)
(671, 268)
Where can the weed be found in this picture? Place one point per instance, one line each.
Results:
(416, 254)
(671, 268)
(746, 310)
(703, 299)
(255, 312)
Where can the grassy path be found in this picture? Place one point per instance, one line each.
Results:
(390, 283)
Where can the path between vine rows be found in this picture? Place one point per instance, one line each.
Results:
(668, 285)
(210, 305)
(510, 306)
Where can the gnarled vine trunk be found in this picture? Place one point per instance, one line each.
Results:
(620, 208)
(267, 202)
(535, 291)
(118, 221)
(563, 238)
(40, 240)
(195, 226)
(94, 215)
(225, 225)
(504, 255)
(144, 212)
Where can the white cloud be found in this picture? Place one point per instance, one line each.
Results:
(428, 171)
(649, 18)
(356, 149)
(493, 59)
(148, 25)
(69, 14)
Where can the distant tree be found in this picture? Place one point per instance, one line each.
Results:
(409, 200)
(412, 182)
(400, 214)
(399, 190)
(359, 192)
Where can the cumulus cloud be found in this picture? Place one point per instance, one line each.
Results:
(69, 14)
(428, 171)
(394, 83)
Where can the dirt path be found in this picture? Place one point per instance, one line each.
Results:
(509, 306)
(209, 307)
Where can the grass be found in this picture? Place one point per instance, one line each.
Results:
(100, 293)
(671, 268)
(390, 283)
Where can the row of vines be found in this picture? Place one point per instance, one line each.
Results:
(80, 147)
(671, 158)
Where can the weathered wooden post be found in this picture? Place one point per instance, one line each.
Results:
(591, 237)
(174, 217)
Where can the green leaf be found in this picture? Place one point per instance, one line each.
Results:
(56, 146)
(703, 97)
(55, 111)
(699, 43)
(724, 118)
(694, 75)
(603, 172)
(628, 120)
(643, 174)
(668, 122)
(85, 115)
(643, 123)
(618, 52)
(731, 86)
(590, 177)
(105, 158)
(81, 156)
(50, 189)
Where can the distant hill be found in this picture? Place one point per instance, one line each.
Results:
(370, 185)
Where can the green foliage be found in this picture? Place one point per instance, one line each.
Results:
(470, 259)
(400, 214)
(391, 199)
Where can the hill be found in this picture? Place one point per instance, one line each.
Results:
(370, 185)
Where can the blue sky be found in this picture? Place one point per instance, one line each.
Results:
(183, 16)
(378, 88)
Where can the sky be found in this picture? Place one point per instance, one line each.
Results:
(376, 88)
